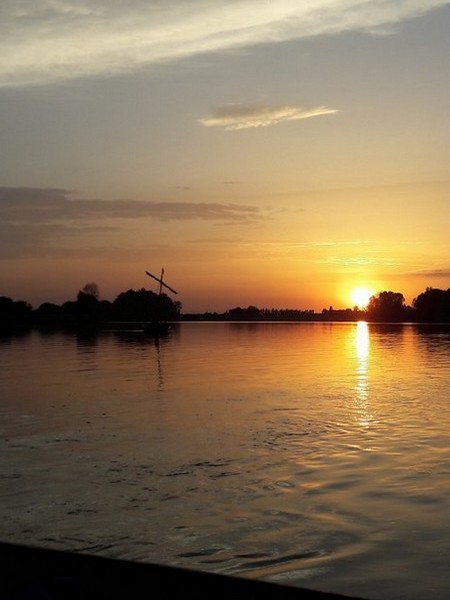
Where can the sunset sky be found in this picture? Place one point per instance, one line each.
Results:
(277, 153)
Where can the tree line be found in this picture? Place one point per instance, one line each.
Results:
(88, 308)
(432, 305)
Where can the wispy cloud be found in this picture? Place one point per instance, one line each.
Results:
(358, 261)
(44, 41)
(238, 116)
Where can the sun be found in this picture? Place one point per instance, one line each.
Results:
(360, 296)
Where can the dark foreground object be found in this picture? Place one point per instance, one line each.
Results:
(39, 574)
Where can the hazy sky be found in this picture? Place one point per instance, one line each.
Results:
(269, 153)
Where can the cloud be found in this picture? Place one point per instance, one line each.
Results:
(443, 273)
(50, 205)
(238, 116)
(44, 41)
(358, 261)
(49, 222)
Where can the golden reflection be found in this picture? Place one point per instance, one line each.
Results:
(362, 341)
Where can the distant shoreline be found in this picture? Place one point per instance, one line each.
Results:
(143, 306)
(432, 305)
(17, 327)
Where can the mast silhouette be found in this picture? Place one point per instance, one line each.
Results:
(161, 282)
(157, 325)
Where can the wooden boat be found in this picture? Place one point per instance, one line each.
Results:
(30, 573)
(157, 328)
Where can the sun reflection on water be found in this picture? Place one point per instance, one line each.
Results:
(362, 342)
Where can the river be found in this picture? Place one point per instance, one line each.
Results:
(311, 454)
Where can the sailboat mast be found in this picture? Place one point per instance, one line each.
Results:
(157, 326)
(161, 281)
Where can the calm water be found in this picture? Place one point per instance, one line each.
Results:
(313, 454)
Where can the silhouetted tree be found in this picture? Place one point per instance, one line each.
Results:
(91, 289)
(341, 314)
(387, 306)
(15, 312)
(251, 313)
(87, 305)
(144, 305)
(86, 300)
(48, 313)
(433, 305)
(70, 311)
(105, 310)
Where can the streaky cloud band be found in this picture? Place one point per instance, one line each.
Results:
(49, 205)
(48, 41)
